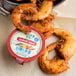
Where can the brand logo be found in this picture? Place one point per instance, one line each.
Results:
(27, 41)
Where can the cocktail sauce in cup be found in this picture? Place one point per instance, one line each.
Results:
(25, 46)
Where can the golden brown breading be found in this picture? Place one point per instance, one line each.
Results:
(18, 13)
(29, 11)
(46, 26)
(56, 65)
(68, 48)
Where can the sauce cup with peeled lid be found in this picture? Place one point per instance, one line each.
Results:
(25, 47)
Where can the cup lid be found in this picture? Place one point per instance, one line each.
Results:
(25, 46)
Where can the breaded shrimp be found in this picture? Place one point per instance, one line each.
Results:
(46, 26)
(54, 66)
(42, 12)
(29, 11)
(18, 13)
(68, 48)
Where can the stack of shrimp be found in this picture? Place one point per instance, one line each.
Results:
(38, 15)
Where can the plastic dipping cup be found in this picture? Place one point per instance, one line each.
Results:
(25, 46)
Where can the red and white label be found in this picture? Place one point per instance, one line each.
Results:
(27, 41)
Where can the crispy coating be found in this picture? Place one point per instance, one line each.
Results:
(28, 11)
(42, 12)
(65, 49)
(46, 26)
(54, 66)
(68, 48)
(18, 14)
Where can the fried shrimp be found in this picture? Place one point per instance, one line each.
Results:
(18, 13)
(46, 26)
(28, 11)
(56, 65)
(42, 12)
(65, 49)
(68, 48)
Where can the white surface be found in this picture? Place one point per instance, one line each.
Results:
(9, 66)
(66, 9)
